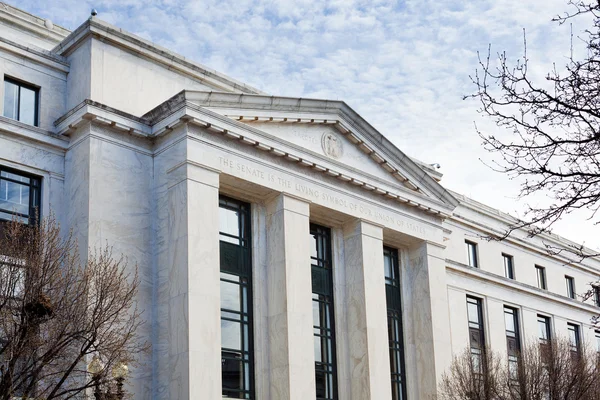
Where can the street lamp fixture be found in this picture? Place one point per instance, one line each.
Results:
(119, 373)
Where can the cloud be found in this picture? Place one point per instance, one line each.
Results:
(403, 65)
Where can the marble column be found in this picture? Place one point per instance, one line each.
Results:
(426, 319)
(194, 303)
(291, 354)
(366, 312)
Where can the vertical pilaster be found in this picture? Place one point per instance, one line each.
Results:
(194, 303)
(291, 353)
(426, 319)
(366, 312)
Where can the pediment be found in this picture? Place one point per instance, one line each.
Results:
(325, 136)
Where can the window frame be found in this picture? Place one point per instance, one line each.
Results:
(246, 335)
(547, 321)
(512, 337)
(541, 277)
(472, 254)
(570, 283)
(324, 262)
(23, 84)
(575, 348)
(476, 348)
(35, 195)
(509, 268)
(394, 314)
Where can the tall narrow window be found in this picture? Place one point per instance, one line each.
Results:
(323, 315)
(472, 254)
(19, 196)
(394, 315)
(21, 101)
(596, 290)
(236, 299)
(570, 286)
(476, 332)
(544, 329)
(541, 277)
(597, 336)
(513, 342)
(574, 337)
(509, 270)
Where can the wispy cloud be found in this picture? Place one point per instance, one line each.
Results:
(403, 65)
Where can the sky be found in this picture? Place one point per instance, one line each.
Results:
(405, 66)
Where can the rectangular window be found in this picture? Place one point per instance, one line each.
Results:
(476, 332)
(19, 196)
(472, 254)
(394, 314)
(21, 101)
(596, 290)
(236, 300)
(597, 335)
(541, 277)
(570, 286)
(323, 315)
(509, 271)
(513, 342)
(574, 337)
(544, 331)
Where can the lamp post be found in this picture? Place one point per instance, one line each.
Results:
(119, 373)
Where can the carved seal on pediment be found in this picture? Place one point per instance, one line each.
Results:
(332, 145)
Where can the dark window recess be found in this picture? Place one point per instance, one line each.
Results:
(596, 290)
(394, 314)
(19, 196)
(544, 332)
(323, 315)
(476, 332)
(509, 269)
(574, 338)
(570, 282)
(513, 342)
(236, 300)
(21, 101)
(472, 254)
(541, 277)
(597, 336)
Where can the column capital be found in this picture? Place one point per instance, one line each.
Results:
(287, 202)
(193, 171)
(359, 226)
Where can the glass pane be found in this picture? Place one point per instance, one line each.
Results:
(27, 106)
(473, 313)
(387, 262)
(231, 335)
(228, 222)
(15, 177)
(11, 94)
(232, 374)
(509, 320)
(230, 296)
(313, 246)
(543, 331)
(10, 217)
(14, 197)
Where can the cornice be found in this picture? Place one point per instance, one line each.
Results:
(36, 55)
(33, 134)
(31, 23)
(478, 274)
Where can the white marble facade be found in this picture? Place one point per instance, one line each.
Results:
(134, 146)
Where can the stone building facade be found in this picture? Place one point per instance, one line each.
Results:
(285, 246)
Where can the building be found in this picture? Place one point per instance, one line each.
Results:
(277, 238)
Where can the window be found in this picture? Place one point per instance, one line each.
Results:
(574, 337)
(597, 335)
(476, 332)
(323, 316)
(541, 277)
(21, 101)
(394, 314)
(570, 286)
(19, 196)
(509, 271)
(236, 300)
(596, 290)
(544, 329)
(472, 254)
(513, 342)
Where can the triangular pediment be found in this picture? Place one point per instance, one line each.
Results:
(327, 136)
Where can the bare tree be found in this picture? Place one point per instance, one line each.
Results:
(553, 138)
(550, 371)
(57, 312)
(472, 377)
